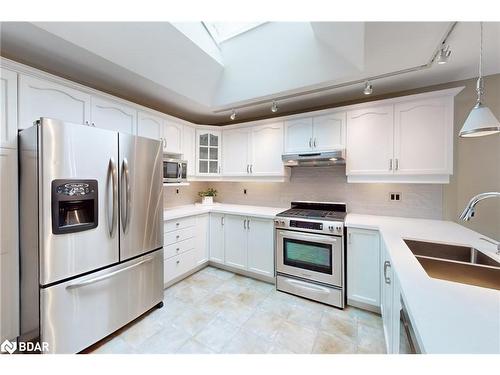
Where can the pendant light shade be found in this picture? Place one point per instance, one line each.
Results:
(481, 121)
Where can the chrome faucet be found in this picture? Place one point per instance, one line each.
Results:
(471, 206)
(469, 211)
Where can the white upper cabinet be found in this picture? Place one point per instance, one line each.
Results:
(150, 126)
(111, 115)
(369, 148)
(423, 136)
(266, 150)
(172, 135)
(208, 152)
(236, 152)
(40, 98)
(8, 108)
(315, 134)
(329, 131)
(189, 148)
(298, 135)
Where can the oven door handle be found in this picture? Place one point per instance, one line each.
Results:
(310, 237)
(308, 286)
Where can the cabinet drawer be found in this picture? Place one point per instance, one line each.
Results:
(177, 265)
(179, 247)
(181, 223)
(178, 235)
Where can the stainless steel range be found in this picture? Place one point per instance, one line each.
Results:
(310, 251)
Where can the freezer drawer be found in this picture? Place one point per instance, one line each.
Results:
(78, 313)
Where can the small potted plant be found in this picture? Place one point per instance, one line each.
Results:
(207, 196)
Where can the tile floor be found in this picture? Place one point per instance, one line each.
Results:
(215, 311)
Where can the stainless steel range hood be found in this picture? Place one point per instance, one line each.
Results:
(318, 159)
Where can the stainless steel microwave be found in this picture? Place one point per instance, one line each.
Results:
(174, 170)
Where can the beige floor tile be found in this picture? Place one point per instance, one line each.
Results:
(326, 343)
(193, 320)
(139, 332)
(221, 274)
(370, 339)
(217, 334)
(279, 307)
(336, 323)
(264, 324)
(194, 347)
(205, 281)
(235, 312)
(245, 342)
(214, 303)
(305, 316)
(172, 308)
(191, 294)
(365, 317)
(261, 286)
(249, 297)
(115, 346)
(295, 338)
(168, 340)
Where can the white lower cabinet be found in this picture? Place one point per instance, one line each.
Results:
(243, 242)
(390, 305)
(261, 246)
(235, 241)
(363, 268)
(216, 248)
(185, 246)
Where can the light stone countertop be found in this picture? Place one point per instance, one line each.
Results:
(234, 209)
(449, 317)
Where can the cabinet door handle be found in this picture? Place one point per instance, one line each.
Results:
(248, 224)
(222, 220)
(245, 224)
(248, 168)
(219, 169)
(178, 262)
(314, 142)
(349, 238)
(387, 279)
(397, 164)
(390, 164)
(310, 142)
(251, 168)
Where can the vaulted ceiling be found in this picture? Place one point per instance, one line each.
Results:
(179, 68)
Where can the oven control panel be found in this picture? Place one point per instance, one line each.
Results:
(314, 226)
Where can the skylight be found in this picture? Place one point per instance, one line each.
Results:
(222, 31)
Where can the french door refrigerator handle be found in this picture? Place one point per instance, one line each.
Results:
(126, 211)
(108, 275)
(114, 179)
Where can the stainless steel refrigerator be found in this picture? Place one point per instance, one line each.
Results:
(91, 232)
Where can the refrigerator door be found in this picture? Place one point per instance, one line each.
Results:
(141, 195)
(71, 156)
(77, 313)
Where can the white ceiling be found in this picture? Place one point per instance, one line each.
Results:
(177, 68)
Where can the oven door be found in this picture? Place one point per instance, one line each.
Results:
(171, 171)
(310, 256)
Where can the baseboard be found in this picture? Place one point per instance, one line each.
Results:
(364, 306)
(253, 275)
(184, 275)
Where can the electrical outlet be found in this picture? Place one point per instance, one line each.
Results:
(395, 197)
(177, 191)
(245, 191)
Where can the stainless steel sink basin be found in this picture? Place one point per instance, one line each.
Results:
(456, 263)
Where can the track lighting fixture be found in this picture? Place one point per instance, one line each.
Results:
(274, 107)
(443, 56)
(233, 115)
(368, 88)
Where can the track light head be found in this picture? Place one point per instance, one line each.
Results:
(443, 56)
(233, 115)
(274, 107)
(368, 88)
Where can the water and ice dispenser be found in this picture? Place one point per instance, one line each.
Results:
(74, 206)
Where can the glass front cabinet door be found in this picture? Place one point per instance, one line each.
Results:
(208, 152)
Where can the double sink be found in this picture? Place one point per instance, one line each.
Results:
(461, 264)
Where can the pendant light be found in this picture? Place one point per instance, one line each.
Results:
(481, 121)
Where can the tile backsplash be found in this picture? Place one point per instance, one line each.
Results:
(323, 184)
